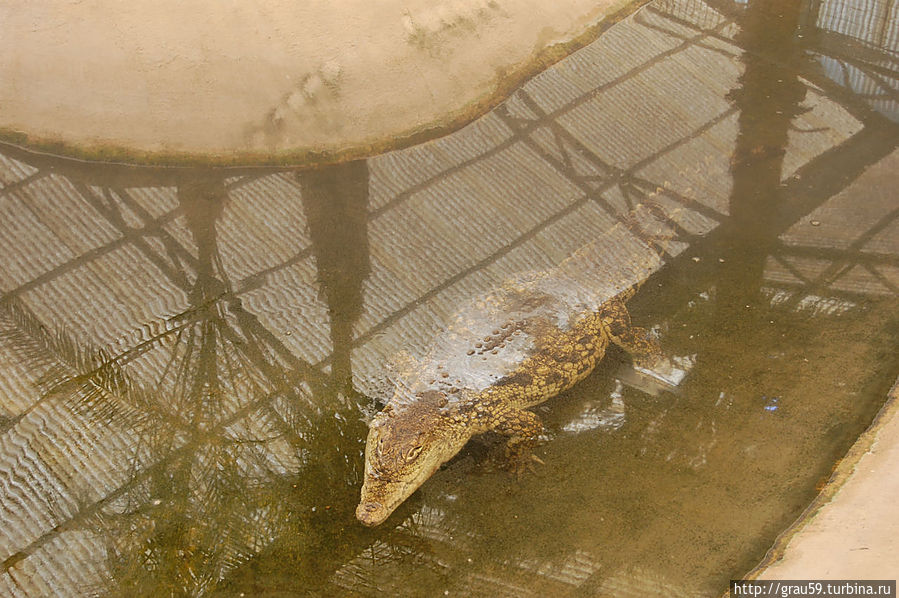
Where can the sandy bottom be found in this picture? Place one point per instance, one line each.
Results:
(251, 81)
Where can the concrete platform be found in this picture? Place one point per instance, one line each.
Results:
(168, 81)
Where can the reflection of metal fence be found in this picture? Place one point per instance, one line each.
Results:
(831, 269)
(694, 13)
(858, 47)
(637, 118)
(845, 252)
(871, 22)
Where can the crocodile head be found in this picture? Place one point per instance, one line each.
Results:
(406, 445)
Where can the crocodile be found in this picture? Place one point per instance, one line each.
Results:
(504, 352)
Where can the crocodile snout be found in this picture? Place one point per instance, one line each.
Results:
(371, 513)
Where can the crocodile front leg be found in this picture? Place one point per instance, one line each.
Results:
(523, 428)
(635, 340)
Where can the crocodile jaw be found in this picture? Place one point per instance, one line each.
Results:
(407, 442)
(381, 498)
(383, 492)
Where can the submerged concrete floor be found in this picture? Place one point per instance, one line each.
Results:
(851, 530)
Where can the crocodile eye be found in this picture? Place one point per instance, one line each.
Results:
(413, 453)
(379, 448)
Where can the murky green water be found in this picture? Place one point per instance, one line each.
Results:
(189, 358)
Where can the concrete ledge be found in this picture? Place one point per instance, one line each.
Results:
(207, 82)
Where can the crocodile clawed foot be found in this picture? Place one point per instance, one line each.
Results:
(516, 459)
(520, 461)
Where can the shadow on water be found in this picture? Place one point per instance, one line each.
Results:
(769, 97)
(217, 447)
(336, 204)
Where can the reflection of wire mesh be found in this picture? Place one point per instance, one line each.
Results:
(871, 21)
(696, 12)
(859, 50)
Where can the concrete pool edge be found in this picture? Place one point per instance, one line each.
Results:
(359, 143)
(850, 529)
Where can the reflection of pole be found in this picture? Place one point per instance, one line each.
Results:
(768, 99)
(202, 201)
(336, 203)
(335, 200)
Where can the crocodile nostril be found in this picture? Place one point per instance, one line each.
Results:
(371, 506)
(370, 513)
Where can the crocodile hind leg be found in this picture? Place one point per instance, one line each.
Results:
(635, 340)
(523, 428)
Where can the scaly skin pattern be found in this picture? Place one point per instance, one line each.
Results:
(511, 350)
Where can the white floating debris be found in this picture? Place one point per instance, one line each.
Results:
(669, 371)
(593, 417)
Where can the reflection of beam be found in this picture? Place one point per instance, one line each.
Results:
(258, 278)
(689, 24)
(152, 227)
(845, 260)
(479, 265)
(171, 268)
(522, 132)
(21, 183)
(802, 291)
(833, 170)
(555, 114)
(859, 54)
(854, 255)
(250, 326)
(625, 178)
(848, 99)
(178, 255)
